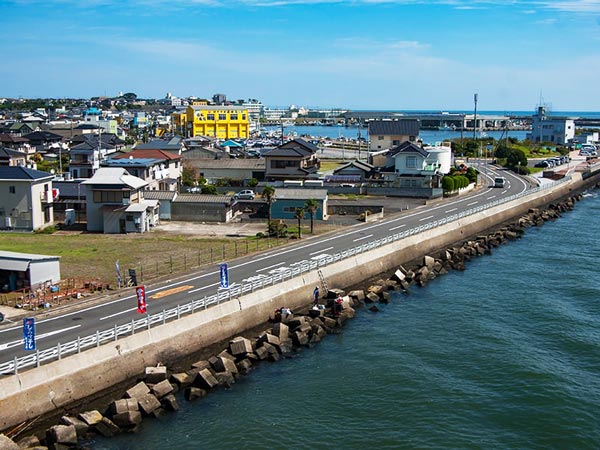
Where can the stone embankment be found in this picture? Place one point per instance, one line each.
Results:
(161, 389)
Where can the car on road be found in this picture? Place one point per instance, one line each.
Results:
(247, 194)
(499, 182)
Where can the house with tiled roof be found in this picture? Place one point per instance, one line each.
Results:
(14, 142)
(420, 167)
(115, 203)
(386, 134)
(10, 157)
(293, 160)
(26, 198)
(161, 169)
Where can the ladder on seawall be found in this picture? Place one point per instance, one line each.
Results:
(323, 281)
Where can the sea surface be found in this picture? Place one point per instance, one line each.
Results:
(505, 355)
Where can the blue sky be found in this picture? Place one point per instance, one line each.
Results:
(357, 54)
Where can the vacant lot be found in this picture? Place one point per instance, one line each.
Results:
(93, 256)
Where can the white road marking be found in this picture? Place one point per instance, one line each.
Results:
(270, 267)
(426, 218)
(319, 251)
(203, 287)
(399, 226)
(491, 197)
(361, 238)
(472, 203)
(451, 210)
(37, 338)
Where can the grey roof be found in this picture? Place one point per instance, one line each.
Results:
(43, 135)
(21, 261)
(300, 194)
(298, 142)
(130, 162)
(202, 198)
(228, 163)
(289, 152)
(402, 127)
(10, 153)
(358, 164)
(70, 188)
(161, 144)
(160, 195)
(22, 173)
(115, 176)
(93, 146)
(408, 147)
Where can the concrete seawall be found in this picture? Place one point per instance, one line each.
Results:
(57, 385)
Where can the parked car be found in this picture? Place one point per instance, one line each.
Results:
(247, 194)
(542, 164)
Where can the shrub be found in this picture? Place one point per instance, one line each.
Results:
(448, 183)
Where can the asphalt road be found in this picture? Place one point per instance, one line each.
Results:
(52, 328)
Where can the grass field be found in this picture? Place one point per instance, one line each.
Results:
(93, 256)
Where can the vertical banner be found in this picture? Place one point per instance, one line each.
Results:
(29, 333)
(224, 276)
(118, 268)
(140, 292)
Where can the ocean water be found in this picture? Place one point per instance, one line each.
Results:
(505, 355)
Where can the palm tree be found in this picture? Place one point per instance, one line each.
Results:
(268, 193)
(299, 215)
(311, 206)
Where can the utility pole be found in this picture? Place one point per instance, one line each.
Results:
(475, 118)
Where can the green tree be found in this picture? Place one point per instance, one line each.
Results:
(130, 97)
(448, 183)
(299, 215)
(253, 182)
(311, 205)
(503, 151)
(516, 158)
(268, 193)
(472, 175)
(209, 189)
(189, 176)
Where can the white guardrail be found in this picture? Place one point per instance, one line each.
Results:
(113, 334)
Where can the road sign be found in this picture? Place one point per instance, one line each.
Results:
(29, 333)
(224, 276)
(140, 292)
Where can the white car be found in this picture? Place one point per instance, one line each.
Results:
(247, 194)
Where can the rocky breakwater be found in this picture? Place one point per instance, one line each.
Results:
(161, 390)
(419, 273)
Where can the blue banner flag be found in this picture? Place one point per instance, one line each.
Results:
(29, 333)
(119, 279)
(224, 276)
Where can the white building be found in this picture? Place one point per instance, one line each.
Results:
(557, 130)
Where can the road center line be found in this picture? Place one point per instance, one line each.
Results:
(320, 251)
(270, 267)
(426, 218)
(472, 203)
(361, 238)
(399, 226)
(451, 210)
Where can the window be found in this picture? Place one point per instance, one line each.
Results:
(210, 117)
(396, 142)
(222, 116)
(108, 196)
(380, 138)
(12, 189)
(243, 116)
(234, 117)
(411, 162)
(281, 164)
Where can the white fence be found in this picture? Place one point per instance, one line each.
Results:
(296, 269)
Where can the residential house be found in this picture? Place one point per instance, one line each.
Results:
(418, 167)
(26, 198)
(390, 133)
(220, 121)
(19, 128)
(40, 139)
(288, 200)
(557, 130)
(173, 145)
(233, 169)
(14, 142)
(353, 171)
(10, 157)
(84, 158)
(166, 199)
(115, 203)
(294, 160)
(160, 169)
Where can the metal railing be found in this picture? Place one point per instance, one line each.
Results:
(295, 269)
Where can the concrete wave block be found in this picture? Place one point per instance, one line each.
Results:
(61, 434)
(161, 389)
(148, 403)
(156, 374)
(138, 390)
(107, 427)
(90, 418)
(127, 419)
(124, 405)
(205, 380)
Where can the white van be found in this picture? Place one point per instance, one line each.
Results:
(499, 182)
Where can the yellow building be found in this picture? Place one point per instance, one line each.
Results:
(222, 122)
